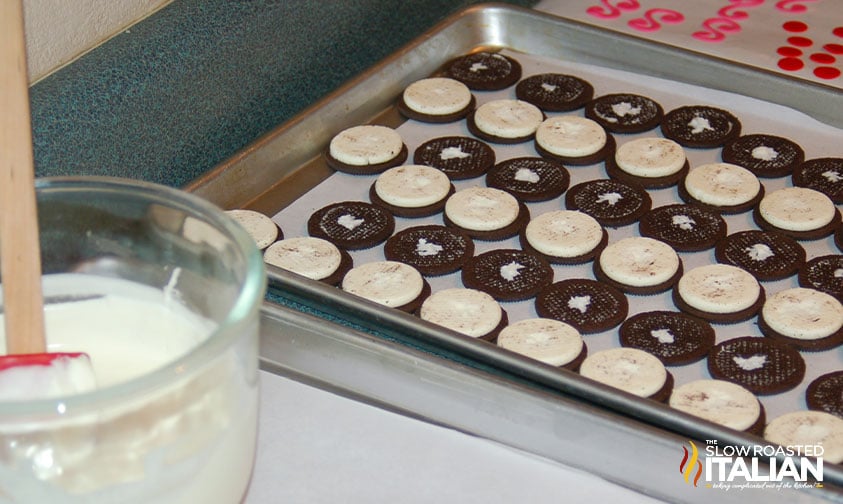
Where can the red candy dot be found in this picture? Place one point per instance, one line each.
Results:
(834, 48)
(791, 64)
(795, 26)
(823, 59)
(790, 52)
(800, 41)
(827, 72)
(838, 31)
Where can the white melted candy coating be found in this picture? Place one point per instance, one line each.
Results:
(639, 261)
(365, 145)
(426, 248)
(699, 125)
(437, 96)
(314, 258)
(719, 288)
(722, 184)
(564, 233)
(797, 209)
(259, 226)
(453, 153)
(547, 340)
(482, 208)
(628, 369)
(527, 175)
(580, 303)
(508, 118)
(467, 311)
(804, 314)
(570, 136)
(412, 186)
(650, 157)
(718, 401)
(759, 252)
(511, 271)
(752, 363)
(809, 428)
(764, 153)
(389, 283)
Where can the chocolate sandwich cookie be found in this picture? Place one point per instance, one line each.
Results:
(588, 305)
(719, 293)
(765, 254)
(804, 318)
(761, 365)
(546, 340)
(612, 203)
(564, 236)
(630, 370)
(263, 230)
(485, 71)
(433, 250)
(486, 213)
(838, 238)
(505, 121)
(652, 162)
(553, 92)
(721, 187)
(700, 126)
(507, 274)
(625, 112)
(638, 265)
(366, 150)
(573, 140)
(798, 212)
(809, 428)
(687, 228)
(764, 155)
(825, 274)
(351, 225)
(721, 402)
(529, 178)
(436, 100)
(313, 258)
(457, 156)
(411, 190)
(822, 174)
(825, 393)
(467, 311)
(675, 338)
(389, 283)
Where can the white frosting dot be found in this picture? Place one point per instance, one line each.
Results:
(750, 363)
(349, 221)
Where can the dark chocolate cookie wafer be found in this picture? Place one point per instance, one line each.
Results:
(555, 92)
(822, 174)
(764, 155)
(433, 250)
(611, 202)
(826, 393)
(507, 274)
(761, 365)
(458, 156)
(700, 126)
(675, 338)
(484, 71)
(686, 228)
(825, 274)
(765, 254)
(588, 305)
(352, 224)
(529, 178)
(625, 112)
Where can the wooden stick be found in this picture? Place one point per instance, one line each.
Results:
(20, 257)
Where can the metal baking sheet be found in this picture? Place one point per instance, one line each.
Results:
(272, 173)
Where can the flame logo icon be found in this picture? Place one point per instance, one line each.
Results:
(690, 462)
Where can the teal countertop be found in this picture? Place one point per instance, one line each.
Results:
(185, 89)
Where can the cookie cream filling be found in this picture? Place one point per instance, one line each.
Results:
(809, 428)
(482, 208)
(389, 283)
(804, 314)
(314, 258)
(719, 288)
(546, 340)
(412, 186)
(650, 157)
(508, 118)
(797, 209)
(639, 261)
(564, 233)
(437, 96)
(629, 369)
(718, 401)
(467, 311)
(365, 145)
(722, 184)
(570, 136)
(260, 227)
